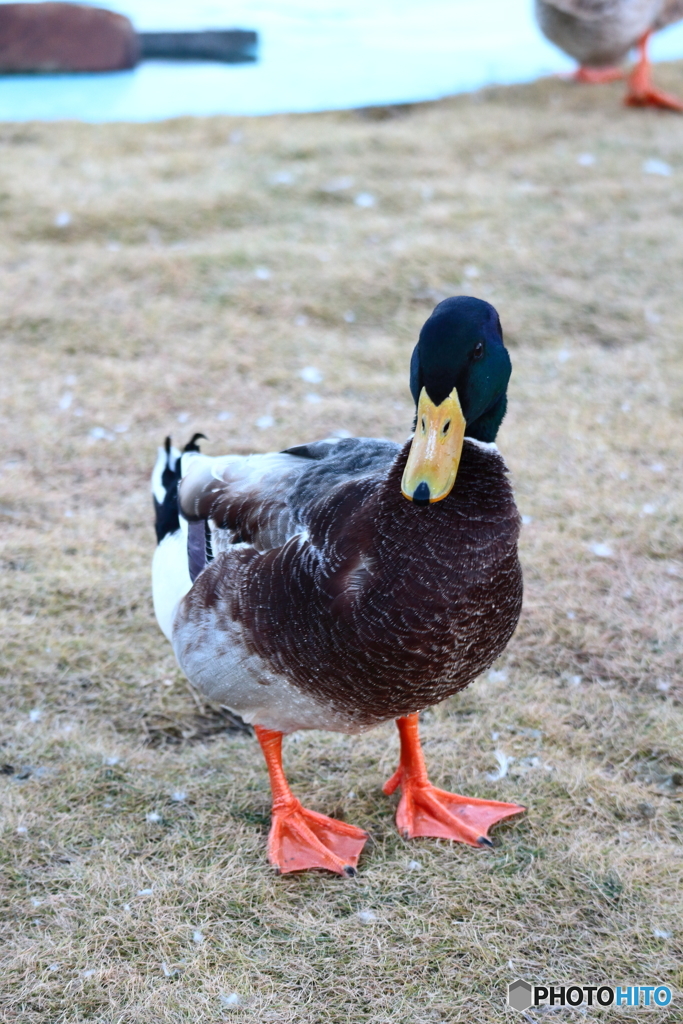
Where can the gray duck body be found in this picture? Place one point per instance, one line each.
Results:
(600, 33)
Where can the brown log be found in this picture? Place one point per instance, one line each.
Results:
(65, 37)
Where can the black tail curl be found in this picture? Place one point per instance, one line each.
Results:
(166, 511)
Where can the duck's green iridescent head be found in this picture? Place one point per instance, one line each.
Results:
(459, 374)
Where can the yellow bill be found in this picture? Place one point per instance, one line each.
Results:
(434, 456)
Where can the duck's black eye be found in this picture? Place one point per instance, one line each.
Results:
(446, 427)
(478, 350)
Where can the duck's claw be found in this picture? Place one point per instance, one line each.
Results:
(424, 810)
(300, 839)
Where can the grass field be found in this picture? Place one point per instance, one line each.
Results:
(178, 277)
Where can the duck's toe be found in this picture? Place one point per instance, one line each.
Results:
(652, 97)
(301, 839)
(425, 810)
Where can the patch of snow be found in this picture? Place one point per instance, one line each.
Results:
(601, 550)
(311, 375)
(659, 167)
(497, 675)
(282, 178)
(231, 1000)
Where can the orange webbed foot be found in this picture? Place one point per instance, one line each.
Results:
(597, 76)
(301, 839)
(641, 91)
(424, 810)
(652, 97)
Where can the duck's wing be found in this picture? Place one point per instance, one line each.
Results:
(265, 500)
(671, 12)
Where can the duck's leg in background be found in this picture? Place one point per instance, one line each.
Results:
(424, 810)
(299, 838)
(641, 91)
(598, 76)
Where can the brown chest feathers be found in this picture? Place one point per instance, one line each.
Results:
(385, 608)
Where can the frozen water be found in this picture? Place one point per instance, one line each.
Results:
(312, 56)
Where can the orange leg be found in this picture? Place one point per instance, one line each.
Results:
(301, 839)
(424, 810)
(597, 76)
(641, 91)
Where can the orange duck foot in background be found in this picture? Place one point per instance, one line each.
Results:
(424, 810)
(301, 839)
(597, 76)
(641, 91)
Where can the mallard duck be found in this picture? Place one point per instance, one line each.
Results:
(600, 33)
(339, 584)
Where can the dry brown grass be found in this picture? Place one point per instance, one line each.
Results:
(145, 307)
